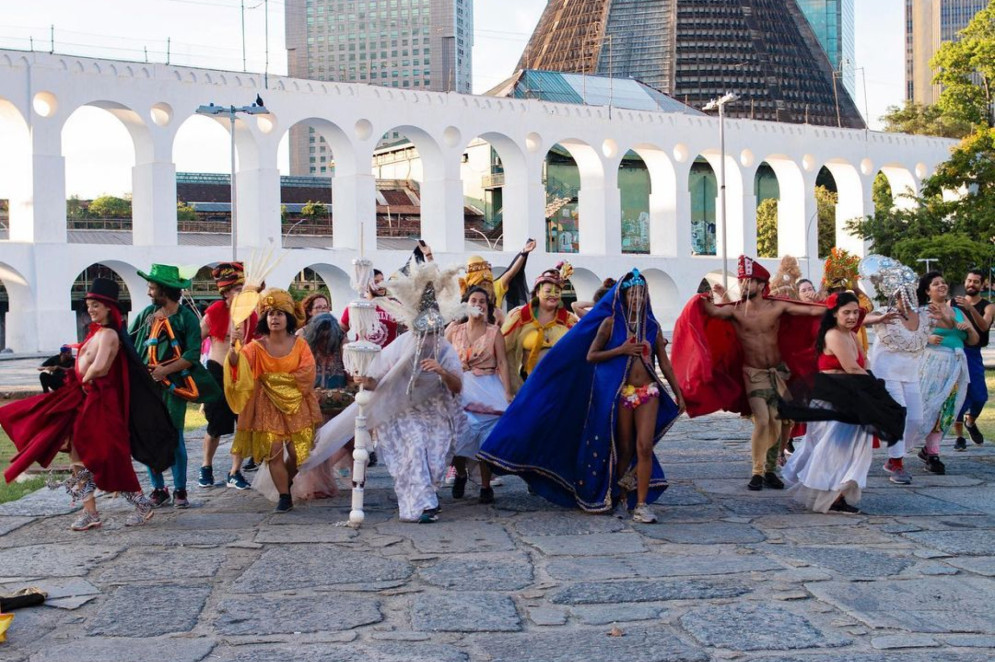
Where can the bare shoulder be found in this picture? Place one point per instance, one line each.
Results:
(107, 338)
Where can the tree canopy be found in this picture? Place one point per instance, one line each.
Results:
(966, 71)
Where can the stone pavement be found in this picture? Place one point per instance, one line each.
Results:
(726, 574)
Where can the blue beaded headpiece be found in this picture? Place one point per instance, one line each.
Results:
(637, 279)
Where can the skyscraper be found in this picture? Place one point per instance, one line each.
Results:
(696, 50)
(929, 23)
(833, 24)
(417, 44)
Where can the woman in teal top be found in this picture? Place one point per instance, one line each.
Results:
(943, 375)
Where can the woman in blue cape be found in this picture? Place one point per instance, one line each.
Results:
(562, 433)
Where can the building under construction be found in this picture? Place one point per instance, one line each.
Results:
(696, 50)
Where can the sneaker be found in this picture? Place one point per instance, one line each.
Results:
(459, 487)
(159, 497)
(486, 495)
(206, 477)
(143, 512)
(451, 475)
(86, 521)
(180, 499)
(756, 483)
(841, 506)
(643, 514)
(934, 466)
(923, 455)
(974, 433)
(960, 444)
(373, 459)
(772, 481)
(429, 516)
(249, 466)
(898, 474)
(237, 480)
(285, 504)
(497, 481)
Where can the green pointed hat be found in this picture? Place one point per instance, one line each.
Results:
(166, 275)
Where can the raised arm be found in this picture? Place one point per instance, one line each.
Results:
(802, 309)
(721, 312)
(517, 264)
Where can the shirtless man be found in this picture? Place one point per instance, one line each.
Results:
(757, 321)
(637, 417)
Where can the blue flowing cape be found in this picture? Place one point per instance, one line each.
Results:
(559, 432)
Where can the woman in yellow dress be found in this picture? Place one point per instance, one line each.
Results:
(270, 384)
(531, 330)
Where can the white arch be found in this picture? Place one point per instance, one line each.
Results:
(853, 197)
(664, 296)
(19, 330)
(338, 282)
(585, 283)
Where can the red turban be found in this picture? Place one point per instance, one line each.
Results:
(748, 268)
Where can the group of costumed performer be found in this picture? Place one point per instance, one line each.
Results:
(270, 384)
(532, 329)
(168, 336)
(743, 356)
(108, 411)
(846, 409)
(414, 413)
(597, 453)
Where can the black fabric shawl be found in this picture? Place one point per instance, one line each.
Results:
(153, 437)
(855, 399)
(517, 293)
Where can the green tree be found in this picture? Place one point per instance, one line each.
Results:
(970, 170)
(185, 212)
(109, 206)
(881, 194)
(956, 252)
(966, 70)
(314, 210)
(767, 228)
(75, 209)
(923, 120)
(825, 201)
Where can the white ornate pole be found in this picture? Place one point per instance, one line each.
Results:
(358, 356)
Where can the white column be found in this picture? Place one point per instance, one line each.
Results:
(855, 200)
(743, 232)
(259, 202)
(797, 217)
(354, 205)
(38, 204)
(524, 204)
(670, 217)
(599, 210)
(442, 218)
(153, 206)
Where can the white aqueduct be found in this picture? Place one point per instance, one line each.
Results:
(39, 92)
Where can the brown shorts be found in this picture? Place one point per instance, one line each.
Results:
(767, 383)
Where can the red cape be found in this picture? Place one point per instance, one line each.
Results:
(708, 358)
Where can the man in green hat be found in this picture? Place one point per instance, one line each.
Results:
(167, 336)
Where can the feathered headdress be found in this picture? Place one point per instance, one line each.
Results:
(426, 288)
(783, 283)
(840, 270)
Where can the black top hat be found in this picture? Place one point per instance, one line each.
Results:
(104, 290)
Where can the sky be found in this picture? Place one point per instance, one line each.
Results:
(208, 33)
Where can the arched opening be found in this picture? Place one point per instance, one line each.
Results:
(902, 184)
(99, 146)
(399, 169)
(327, 279)
(561, 177)
(704, 190)
(664, 296)
(15, 187)
(81, 285)
(306, 195)
(580, 286)
(17, 330)
(882, 194)
(202, 154)
(826, 199)
(635, 190)
(767, 191)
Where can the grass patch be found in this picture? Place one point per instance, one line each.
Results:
(14, 491)
(986, 422)
(195, 418)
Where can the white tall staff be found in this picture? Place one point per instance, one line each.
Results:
(358, 356)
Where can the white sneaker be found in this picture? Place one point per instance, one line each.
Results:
(643, 514)
(451, 475)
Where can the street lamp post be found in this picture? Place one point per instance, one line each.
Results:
(712, 105)
(928, 260)
(256, 108)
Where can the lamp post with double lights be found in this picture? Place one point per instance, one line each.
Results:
(712, 105)
(256, 108)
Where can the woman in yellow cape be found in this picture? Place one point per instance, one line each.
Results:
(270, 384)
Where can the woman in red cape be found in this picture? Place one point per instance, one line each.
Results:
(89, 418)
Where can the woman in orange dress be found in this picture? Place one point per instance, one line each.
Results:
(270, 383)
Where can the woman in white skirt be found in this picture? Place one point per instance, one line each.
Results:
(848, 406)
(943, 373)
(486, 386)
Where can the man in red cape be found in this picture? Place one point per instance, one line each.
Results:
(743, 356)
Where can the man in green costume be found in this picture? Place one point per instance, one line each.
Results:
(172, 352)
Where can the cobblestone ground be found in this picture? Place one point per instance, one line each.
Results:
(726, 574)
